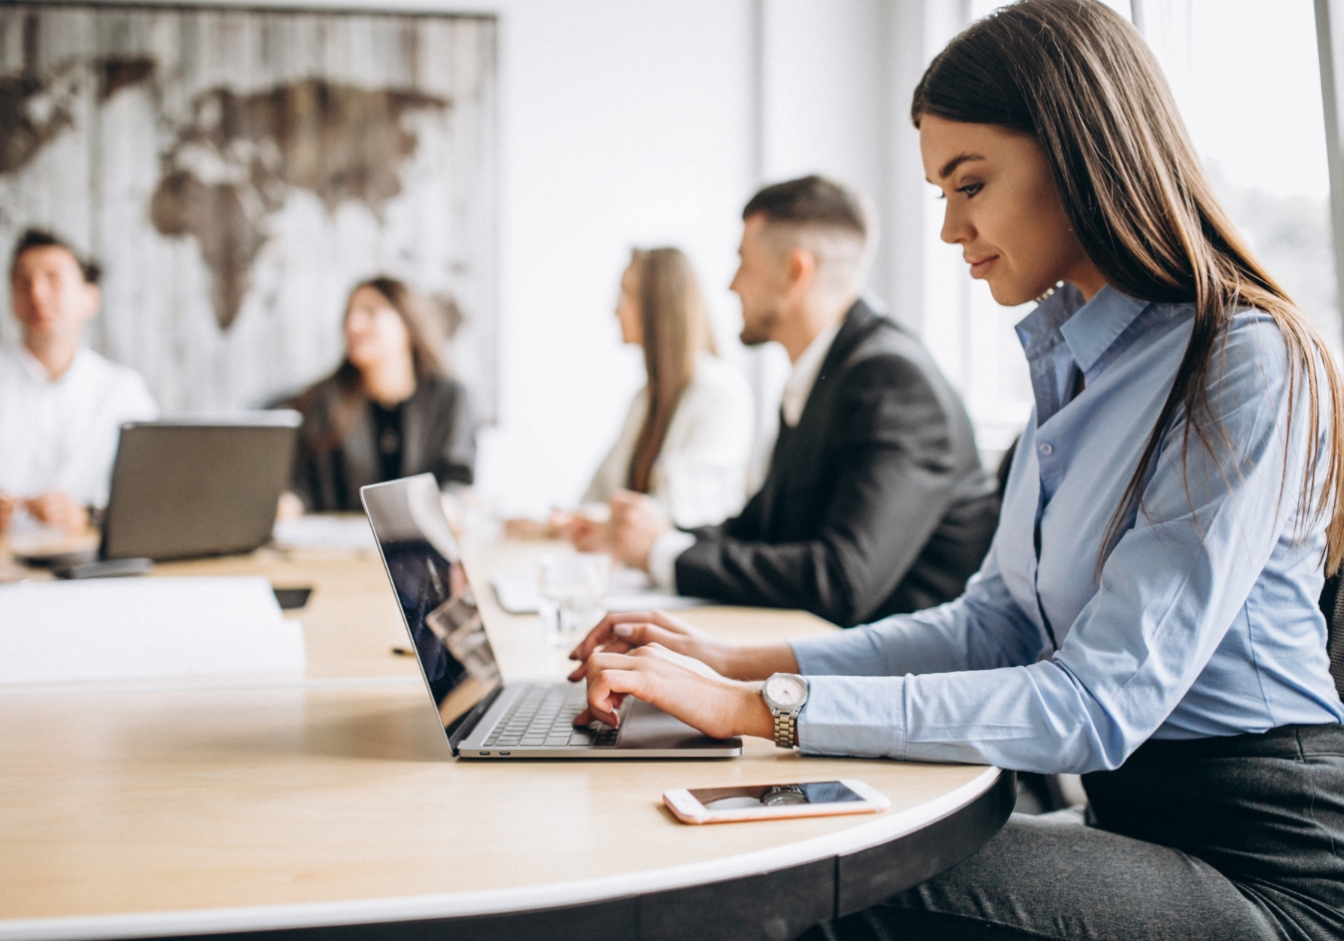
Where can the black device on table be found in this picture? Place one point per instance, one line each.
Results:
(187, 488)
(291, 599)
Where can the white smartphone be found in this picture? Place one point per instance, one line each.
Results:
(773, 801)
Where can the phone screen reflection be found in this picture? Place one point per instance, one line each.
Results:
(774, 795)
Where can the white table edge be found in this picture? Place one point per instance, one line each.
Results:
(882, 829)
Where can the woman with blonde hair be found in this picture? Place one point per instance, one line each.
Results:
(389, 410)
(687, 436)
(1147, 614)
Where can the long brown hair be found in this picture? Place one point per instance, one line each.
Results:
(1077, 77)
(676, 328)
(425, 333)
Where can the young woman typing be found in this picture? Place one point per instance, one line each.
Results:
(389, 410)
(1147, 614)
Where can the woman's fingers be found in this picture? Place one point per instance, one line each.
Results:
(581, 670)
(671, 623)
(679, 685)
(594, 639)
(631, 631)
(592, 714)
(680, 659)
(600, 634)
(627, 637)
(610, 679)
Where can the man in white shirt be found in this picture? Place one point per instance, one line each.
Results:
(875, 502)
(61, 404)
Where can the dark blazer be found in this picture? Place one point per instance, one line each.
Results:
(438, 436)
(875, 504)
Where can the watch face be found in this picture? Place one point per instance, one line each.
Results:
(786, 690)
(787, 794)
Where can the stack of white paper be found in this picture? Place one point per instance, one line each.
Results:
(109, 629)
(324, 531)
(629, 590)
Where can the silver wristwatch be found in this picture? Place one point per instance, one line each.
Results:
(785, 694)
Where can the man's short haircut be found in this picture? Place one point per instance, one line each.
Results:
(40, 238)
(811, 201)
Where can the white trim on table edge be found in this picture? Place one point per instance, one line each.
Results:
(884, 829)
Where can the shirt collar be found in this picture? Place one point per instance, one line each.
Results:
(1090, 328)
(31, 366)
(35, 371)
(805, 373)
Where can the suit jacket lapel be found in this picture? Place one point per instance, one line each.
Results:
(860, 321)
(794, 445)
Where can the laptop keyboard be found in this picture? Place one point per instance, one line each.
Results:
(543, 717)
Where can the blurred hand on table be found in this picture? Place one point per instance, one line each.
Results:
(56, 509)
(586, 528)
(290, 506)
(636, 523)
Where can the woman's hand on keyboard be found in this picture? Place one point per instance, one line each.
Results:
(627, 630)
(630, 630)
(679, 685)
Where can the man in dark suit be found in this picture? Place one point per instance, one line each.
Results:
(875, 502)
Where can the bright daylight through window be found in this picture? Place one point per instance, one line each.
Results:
(1247, 80)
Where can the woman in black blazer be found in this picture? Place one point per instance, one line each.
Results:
(389, 410)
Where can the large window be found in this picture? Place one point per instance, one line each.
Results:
(1246, 77)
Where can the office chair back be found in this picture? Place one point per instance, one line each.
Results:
(1332, 606)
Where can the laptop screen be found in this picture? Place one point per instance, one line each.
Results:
(423, 561)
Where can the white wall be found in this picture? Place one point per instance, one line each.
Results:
(622, 124)
(664, 118)
(837, 80)
(636, 123)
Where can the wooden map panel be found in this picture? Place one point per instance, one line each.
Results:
(237, 171)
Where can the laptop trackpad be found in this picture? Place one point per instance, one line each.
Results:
(648, 726)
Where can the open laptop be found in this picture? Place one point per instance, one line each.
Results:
(187, 488)
(482, 716)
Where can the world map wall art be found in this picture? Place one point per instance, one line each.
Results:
(236, 172)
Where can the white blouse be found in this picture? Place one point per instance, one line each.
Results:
(700, 475)
(61, 434)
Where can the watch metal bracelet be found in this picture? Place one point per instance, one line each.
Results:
(786, 729)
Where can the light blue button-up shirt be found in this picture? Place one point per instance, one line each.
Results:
(1204, 621)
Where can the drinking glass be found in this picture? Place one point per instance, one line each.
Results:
(573, 594)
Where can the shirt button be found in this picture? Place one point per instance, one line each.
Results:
(1047, 447)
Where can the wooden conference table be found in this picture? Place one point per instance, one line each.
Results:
(328, 804)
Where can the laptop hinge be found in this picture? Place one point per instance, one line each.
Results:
(467, 721)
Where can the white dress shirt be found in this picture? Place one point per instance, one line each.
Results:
(804, 375)
(670, 545)
(700, 475)
(61, 434)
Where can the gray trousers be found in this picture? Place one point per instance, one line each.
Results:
(1219, 839)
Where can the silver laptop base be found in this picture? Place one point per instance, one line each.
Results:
(644, 732)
